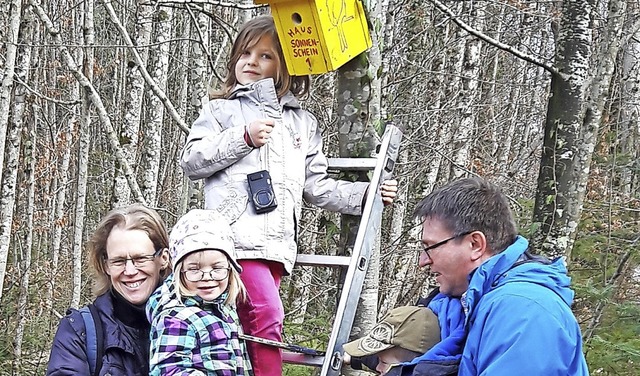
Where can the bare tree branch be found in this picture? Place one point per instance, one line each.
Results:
(225, 4)
(95, 100)
(46, 98)
(602, 304)
(147, 77)
(505, 47)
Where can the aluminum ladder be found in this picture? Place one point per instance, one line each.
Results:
(357, 263)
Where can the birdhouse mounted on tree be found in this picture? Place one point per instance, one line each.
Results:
(319, 36)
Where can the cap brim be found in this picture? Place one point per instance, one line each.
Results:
(365, 346)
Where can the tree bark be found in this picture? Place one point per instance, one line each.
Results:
(19, 104)
(467, 98)
(5, 101)
(359, 92)
(573, 119)
(8, 189)
(83, 151)
(134, 93)
(152, 128)
(629, 128)
(13, 26)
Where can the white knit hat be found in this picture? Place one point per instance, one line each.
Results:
(202, 229)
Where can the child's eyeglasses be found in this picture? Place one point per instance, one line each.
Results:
(215, 274)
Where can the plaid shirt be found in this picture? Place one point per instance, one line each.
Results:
(194, 337)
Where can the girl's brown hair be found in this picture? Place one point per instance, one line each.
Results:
(250, 34)
(132, 217)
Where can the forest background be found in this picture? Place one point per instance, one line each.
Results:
(540, 97)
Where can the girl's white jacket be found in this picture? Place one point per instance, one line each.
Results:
(217, 152)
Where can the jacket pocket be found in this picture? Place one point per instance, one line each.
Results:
(230, 198)
(114, 369)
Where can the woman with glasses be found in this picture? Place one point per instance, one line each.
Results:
(193, 315)
(128, 253)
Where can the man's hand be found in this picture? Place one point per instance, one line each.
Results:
(259, 131)
(346, 359)
(388, 191)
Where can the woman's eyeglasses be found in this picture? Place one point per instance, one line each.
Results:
(118, 264)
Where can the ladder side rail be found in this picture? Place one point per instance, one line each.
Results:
(363, 247)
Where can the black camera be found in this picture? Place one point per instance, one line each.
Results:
(262, 196)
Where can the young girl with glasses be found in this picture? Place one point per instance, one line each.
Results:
(194, 324)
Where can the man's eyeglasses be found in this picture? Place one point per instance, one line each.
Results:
(197, 275)
(438, 244)
(118, 264)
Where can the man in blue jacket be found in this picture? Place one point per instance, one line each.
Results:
(517, 306)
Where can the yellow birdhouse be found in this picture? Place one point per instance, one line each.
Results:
(319, 36)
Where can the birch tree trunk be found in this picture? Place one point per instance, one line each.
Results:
(134, 92)
(454, 61)
(9, 180)
(573, 119)
(6, 213)
(436, 123)
(19, 103)
(468, 96)
(152, 128)
(25, 262)
(630, 118)
(397, 259)
(83, 152)
(358, 92)
(565, 113)
(63, 144)
(13, 25)
(199, 56)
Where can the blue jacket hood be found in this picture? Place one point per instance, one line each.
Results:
(519, 318)
(503, 268)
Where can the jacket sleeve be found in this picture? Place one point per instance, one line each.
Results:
(212, 147)
(321, 190)
(369, 362)
(69, 351)
(426, 368)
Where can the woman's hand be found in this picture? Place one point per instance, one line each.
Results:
(259, 132)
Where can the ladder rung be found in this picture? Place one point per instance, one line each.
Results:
(355, 164)
(322, 260)
(297, 358)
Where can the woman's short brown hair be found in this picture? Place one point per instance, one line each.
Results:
(132, 217)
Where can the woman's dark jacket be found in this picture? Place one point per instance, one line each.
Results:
(125, 334)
